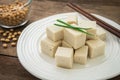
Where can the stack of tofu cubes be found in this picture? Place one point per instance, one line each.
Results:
(68, 46)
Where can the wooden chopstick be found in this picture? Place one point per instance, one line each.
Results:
(103, 24)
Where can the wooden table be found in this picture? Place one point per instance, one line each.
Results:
(10, 67)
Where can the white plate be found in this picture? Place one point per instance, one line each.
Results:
(43, 67)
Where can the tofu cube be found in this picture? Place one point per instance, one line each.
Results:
(65, 44)
(101, 34)
(80, 55)
(75, 38)
(93, 32)
(49, 47)
(64, 57)
(96, 48)
(54, 33)
(71, 19)
(89, 24)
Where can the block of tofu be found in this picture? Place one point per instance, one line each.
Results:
(93, 32)
(80, 55)
(49, 47)
(71, 19)
(65, 44)
(95, 48)
(75, 38)
(101, 34)
(89, 24)
(54, 33)
(64, 57)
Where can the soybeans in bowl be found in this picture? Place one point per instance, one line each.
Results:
(14, 13)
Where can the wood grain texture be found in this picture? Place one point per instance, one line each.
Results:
(10, 68)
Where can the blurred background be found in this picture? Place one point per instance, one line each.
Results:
(107, 8)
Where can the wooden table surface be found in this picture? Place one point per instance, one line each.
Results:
(10, 67)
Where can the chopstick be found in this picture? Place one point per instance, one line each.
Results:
(103, 24)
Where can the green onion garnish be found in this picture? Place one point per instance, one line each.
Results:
(74, 27)
(66, 25)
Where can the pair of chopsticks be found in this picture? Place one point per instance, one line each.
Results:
(103, 24)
